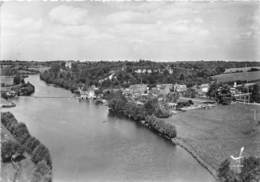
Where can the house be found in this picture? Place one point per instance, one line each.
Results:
(68, 64)
(138, 89)
(179, 87)
(204, 88)
(164, 89)
(91, 94)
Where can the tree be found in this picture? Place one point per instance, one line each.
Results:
(213, 90)
(18, 79)
(219, 70)
(255, 97)
(181, 77)
(223, 95)
(8, 149)
(151, 106)
(190, 93)
(117, 103)
(173, 96)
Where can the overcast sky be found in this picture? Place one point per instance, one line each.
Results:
(135, 30)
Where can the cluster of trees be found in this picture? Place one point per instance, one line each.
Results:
(152, 106)
(161, 126)
(31, 145)
(9, 68)
(89, 73)
(150, 113)
(255, 97)
(119, 105)
(9, 148)
(25, 89)
(184, 104)
(250, 171)
(221, 92)
(42, 172)
(18, 79)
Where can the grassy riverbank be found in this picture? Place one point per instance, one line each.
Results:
(213, 135)
(24, 158)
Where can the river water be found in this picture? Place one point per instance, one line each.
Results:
(87, 145)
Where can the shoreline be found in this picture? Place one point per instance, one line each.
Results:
(30, 150)
(188, 148)
(175, 141)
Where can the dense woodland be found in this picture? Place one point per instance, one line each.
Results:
(124, 72)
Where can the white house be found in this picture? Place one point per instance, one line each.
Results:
(68, 64)
(204, 87)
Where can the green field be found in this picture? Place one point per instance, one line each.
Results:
(243, 76)
(220, 132)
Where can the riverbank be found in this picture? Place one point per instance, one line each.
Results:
(24, 158)
(135, 113)
(22, 89)
(194, 154)
(211, 136)
(162, 127)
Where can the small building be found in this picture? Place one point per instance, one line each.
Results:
(164, 89)
(243, 97)
(138, 89)
(91, 94)
(204, 88)
(179, 87)
(68, 64)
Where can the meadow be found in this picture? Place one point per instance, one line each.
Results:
(220, 132)
(239, 76)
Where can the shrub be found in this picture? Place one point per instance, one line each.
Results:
(21, 132)
(9, 148)
(30, 144)
(250, 172)
(161, 126)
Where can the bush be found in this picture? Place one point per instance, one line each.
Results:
(250, 172)
(152, 106)
(30, 144)
(161, 126)
(41, 153)
(33, 146)
(18, 79)
(9, 148)
(21, 132)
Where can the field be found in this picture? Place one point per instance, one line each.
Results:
(243, 76)
(232, 70)
(217, 133)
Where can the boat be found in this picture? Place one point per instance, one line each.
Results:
(7, 105)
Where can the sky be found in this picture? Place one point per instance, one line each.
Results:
(158, 31)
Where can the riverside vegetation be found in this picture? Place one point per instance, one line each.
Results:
(148, 114)
(126, 73)
(19, 87)
(250, 172)
(25, 143)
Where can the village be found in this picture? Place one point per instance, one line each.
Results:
(176, 97)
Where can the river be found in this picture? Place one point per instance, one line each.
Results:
(87, 145)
